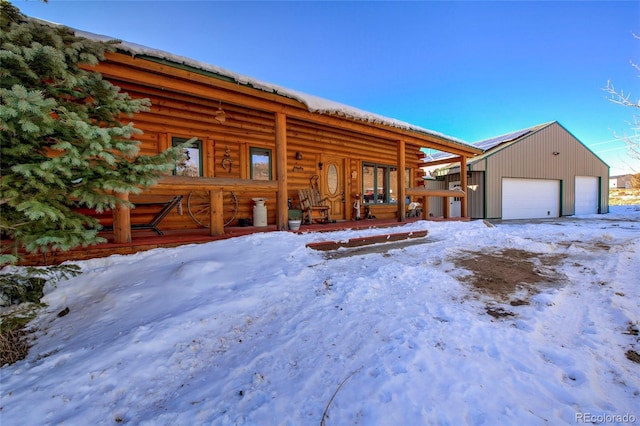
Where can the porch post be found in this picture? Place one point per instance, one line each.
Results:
(425, 207)
(216, 212)
(401, 184)
(122, 220)
(163, 142)
(463, 185)
(446, 207)
(282, 209)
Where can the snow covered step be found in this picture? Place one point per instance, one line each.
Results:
(364, 241)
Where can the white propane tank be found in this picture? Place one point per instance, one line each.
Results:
(259, 212)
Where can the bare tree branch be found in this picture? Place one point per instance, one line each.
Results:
(631, 139)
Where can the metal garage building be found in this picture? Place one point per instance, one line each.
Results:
(539, 172)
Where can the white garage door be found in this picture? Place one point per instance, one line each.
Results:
(530, 198)
(586, 195)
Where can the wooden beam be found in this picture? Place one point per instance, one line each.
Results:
(216, 210)
(401, 184)
(281, 171)
(163, 142)
(245, 173)
(449, 160)
(209, 155)
(463, 185)
(140, 63)
(425, 207)
(179, 184)
(419, 192)
(446, 207)
(122, 220)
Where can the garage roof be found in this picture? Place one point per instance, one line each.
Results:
(489, 144)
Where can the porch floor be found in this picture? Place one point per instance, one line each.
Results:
(143, 240)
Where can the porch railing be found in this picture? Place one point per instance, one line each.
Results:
(427, 193)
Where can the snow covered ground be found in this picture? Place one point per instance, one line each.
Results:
(261, 330)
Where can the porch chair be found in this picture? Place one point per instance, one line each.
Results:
(314, 207)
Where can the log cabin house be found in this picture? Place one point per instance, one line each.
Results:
(261, 141)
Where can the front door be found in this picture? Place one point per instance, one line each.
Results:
(333, 185)
(454, 202)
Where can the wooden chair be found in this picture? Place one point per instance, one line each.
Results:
(314, 207)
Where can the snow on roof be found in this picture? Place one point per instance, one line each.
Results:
(438, 156)
(313, 103)
(492, 142)
(487, 144)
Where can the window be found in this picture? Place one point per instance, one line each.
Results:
(375, 186)
(260, 163)
(191, 162)
(380, 183)
(393, 185)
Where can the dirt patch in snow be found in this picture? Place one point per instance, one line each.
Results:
(510, 275)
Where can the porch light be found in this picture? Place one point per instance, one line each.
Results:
(320, 165)
(555, 153)
(298, 155)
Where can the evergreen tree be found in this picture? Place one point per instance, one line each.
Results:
(63, 140)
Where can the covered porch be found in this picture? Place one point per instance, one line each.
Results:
(266, 142)
(215, 205)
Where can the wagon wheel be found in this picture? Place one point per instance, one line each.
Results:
(199, 209)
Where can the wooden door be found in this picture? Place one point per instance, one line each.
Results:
(333, 186)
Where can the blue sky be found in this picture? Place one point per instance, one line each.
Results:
(472, 70)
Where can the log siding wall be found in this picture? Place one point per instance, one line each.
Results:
(183, 104)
